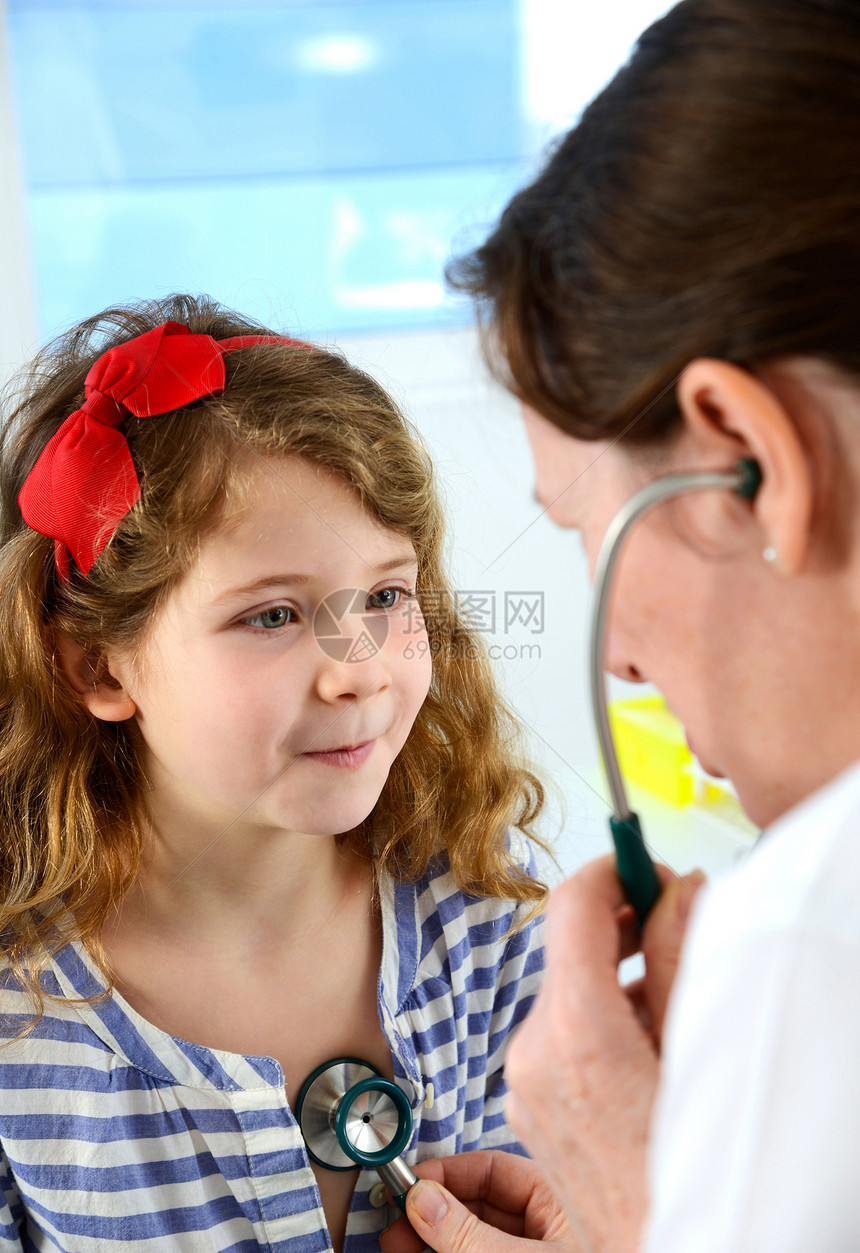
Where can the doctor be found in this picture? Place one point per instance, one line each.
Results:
(678, 289)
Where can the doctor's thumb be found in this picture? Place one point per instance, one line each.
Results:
(447, 1226)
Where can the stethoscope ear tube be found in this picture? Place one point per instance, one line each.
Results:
(635, 867)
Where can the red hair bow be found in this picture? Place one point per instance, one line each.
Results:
(84, 482)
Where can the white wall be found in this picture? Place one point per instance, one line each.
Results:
(571, 49)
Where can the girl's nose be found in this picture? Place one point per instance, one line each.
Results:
(355, 679)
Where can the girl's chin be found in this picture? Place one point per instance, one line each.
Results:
(338, 821)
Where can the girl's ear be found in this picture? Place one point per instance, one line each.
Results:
(88, 675)
(726, 406)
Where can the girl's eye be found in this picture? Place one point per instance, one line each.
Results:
(271, 619)
(386, 598)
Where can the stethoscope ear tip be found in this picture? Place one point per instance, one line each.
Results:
(749, 478)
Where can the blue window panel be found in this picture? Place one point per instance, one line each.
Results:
(121, 92)
(312, 255)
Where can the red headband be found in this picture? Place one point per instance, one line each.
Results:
(84, 482)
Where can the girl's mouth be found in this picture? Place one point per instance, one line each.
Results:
(347, 757)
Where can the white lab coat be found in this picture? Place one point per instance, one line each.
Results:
(756, 1136)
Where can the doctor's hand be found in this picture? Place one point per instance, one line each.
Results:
(505, 1206)
(583, 1069)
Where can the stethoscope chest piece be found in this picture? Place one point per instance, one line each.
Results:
(350, 1115)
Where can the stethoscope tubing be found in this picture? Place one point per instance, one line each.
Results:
(629, 513)
(635, 866)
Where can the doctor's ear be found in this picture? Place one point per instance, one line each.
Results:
(730, 412)
(87, 673)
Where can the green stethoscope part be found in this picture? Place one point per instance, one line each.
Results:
(373, 1123)
(635, 867)
(349, 1115)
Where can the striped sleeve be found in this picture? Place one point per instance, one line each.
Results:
(522, 966)
(468, 979)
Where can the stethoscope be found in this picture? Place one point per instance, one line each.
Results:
(351, 1116)
(635, 867)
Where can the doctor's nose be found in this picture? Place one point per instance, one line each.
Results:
(616, 663)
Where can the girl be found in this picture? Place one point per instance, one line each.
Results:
(246, 827)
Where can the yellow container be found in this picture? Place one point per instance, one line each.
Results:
(652, 749)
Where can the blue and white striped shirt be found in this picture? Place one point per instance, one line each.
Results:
(116, 1135)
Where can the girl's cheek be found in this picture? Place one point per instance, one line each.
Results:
(415, 652)
(408, 626)
(427, 670)
(409, 644)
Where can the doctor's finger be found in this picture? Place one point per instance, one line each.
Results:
(504, 1189)
(591, 927)
(448, 1226)
(401, 1236)
(507, 1193)
(662, 942)
(583, 1038)
(589, 930)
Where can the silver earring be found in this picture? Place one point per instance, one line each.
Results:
(771, 556)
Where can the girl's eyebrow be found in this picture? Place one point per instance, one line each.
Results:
(302, 580)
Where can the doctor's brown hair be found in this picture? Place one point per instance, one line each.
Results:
(706, 205)
(72, 816)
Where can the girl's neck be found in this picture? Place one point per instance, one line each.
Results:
(269, 886)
